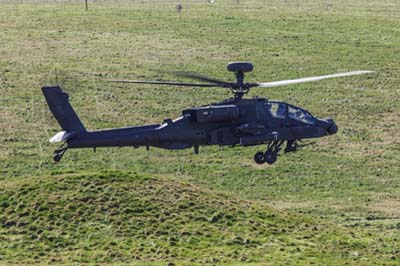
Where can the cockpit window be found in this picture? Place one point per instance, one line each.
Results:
(277, 109)
(283, 110)
(300, 115)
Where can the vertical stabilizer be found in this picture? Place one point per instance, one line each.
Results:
(58, 102)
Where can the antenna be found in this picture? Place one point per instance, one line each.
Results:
(56, 76)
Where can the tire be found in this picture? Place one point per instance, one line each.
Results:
(270, 157)
(57, 158)
(259, 157)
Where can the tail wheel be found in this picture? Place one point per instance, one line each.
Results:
(259, 157)
(58, 154)
(57, 157)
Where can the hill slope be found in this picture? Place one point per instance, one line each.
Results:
(126, 217)
(351, 179)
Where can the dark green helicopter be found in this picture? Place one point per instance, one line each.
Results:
(234, 121)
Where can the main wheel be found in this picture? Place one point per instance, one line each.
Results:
(270, 157)
(259, 157)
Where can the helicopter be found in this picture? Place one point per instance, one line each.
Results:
(237, 121)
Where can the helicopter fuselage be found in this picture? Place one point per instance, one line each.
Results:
(244, 122)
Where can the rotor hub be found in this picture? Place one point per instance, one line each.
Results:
(239, 68)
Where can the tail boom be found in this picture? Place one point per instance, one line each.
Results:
(132, 136)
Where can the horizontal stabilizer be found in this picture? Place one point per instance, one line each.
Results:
(62, 136)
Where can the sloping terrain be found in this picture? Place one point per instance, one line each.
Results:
(117, 217)
(338, 200)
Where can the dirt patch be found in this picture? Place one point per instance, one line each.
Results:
(284, 205)
(391, 207)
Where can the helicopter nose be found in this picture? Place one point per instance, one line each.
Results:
(333, 128)
(329, 125)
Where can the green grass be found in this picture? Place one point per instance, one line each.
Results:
(120, 217)
(351, 179)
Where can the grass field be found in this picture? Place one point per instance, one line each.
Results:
(333, 203)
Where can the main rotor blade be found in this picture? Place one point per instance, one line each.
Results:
(310, 79)
(201, 77)
(174, 83)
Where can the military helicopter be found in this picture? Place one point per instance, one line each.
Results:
(234, 121)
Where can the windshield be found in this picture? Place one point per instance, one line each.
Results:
(277, 109)
(283, 110)
(300, 115)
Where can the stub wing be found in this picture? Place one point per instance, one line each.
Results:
(258, 139)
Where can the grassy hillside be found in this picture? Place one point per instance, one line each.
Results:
(351, 179)
(116, 217)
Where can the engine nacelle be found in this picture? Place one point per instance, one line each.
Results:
(210, 114)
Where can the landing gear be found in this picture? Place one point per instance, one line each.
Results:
(259, 157)
(57, 157)
(273, 148)
(58, 154)
(271, 155)
(291, 146)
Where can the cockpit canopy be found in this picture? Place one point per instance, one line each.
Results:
(283, 110)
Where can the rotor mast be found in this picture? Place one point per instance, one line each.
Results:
(239, 68)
